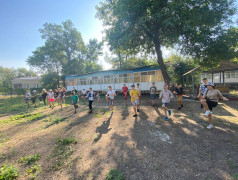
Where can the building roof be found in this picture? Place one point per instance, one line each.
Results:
(224, 66)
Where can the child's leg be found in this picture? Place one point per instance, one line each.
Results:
(111, 107)
(60, 101)
(134, 107)
(210, 119)
(204, 103)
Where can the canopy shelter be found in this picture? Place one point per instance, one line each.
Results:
(193, 73)
(224, 66)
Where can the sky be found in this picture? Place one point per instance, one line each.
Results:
(20, 21)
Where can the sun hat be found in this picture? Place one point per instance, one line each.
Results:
(210, 84)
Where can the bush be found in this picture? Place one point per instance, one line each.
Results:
(30, 159)
(8, 172)
(114, 174)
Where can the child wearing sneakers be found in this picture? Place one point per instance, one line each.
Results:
(134, 99)
(75, 99)
(90, 96)
(166, 95)
(210, 100)
(110, 98)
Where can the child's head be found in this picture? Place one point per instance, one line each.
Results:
(73, 88)
(43, 90)
(165, 86)
(132, 86)
(153, 83)
(34, 91)
(59, 89)
(210, 86)
(138, 85)
(124, 85)
(51, 90)
(204, 80)
(72, 94)
(178, 85)
(90, 89)
(110, 88)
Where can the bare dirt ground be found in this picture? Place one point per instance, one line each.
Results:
(142, 148)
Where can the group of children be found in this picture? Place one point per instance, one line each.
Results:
(208, 96)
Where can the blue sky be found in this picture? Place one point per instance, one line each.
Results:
(20, 21)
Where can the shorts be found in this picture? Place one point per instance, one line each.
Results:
(85, 95)
(165, 104)
(75, 104)
(153, 96)
(33, 100)
(179, 97)
(51, 100)
(134, 103)
(211, 104)
(125, 93)
(111, 101)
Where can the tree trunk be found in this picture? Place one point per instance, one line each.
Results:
(119, 56)
(161, 62)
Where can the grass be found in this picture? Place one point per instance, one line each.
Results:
(32, 171)
(8, 172)
(3, 139)
(23, 118)
(235, 176)
(54, 120)
(30, 159)
(96, 138)
(115, 174)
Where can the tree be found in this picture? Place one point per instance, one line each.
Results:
(150, 24)
(23, 72)
(50, 80)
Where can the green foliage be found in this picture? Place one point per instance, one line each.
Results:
(194, 27)
(8, 172)
(50, 80)
(30, 159)
(114, 174)
(67, 141)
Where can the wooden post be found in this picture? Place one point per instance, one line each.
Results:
(223, 80)
(212, 77)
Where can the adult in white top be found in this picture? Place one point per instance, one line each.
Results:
(110, 98)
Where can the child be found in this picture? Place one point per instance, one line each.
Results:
(90, 100)
(60, 97)
(134, 100)
(27, 98)
(124, 91)
(33, 98)
(51, 98)
(202, 90)
(153, 90)
(43, 96)
(75, 99)
(110, 98)
(84, 92)
(56, 94)
(64, 91)
(98, 95)
(210, 100)
(139, 90)
(179, 95)
(166, 95)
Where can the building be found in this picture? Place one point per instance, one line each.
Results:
(116, 78)
(26, 83)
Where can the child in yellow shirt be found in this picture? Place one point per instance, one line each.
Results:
(134, 99)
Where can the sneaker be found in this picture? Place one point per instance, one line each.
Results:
(170, 112)
(90, 111)
(135, 115)
(107, 104)
(207, 113)
(111, 113)
(210, 126)
(153, 105)
(179, 108)
(165, 118)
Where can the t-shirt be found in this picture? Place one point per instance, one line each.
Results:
(166, 95)
(84, 91)
(51, 95)
(153, 89)
(133, 93)
(28, 95)
(44, 95)
(138, 89)
(203, 88)
(56, 94)
(124, 89)
(74, 91)
(34, 96)
(213, 95)
(61, 94)
(74, 98)
(179, 91)
(90, 96)
(111, 94)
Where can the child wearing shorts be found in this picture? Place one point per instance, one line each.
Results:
(90, 96)
(27, 98)
(110, 98)
(166, 95)
(179, 95)
(51, 98)
(75, 99)
(134, 99)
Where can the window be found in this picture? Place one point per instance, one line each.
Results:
(36, 85)
(83, 81)
(117, 79)
(228, 75)
(136, 77)
(144, 76)
(151, 76)
(95, 80)
(233, 74)
(216, 76)
(129, 78)
(26, 86)
(74, 82)
(78, 82)
(236, 73)
(108, 79)
(209, 76)
(158, 77)
(17, 86)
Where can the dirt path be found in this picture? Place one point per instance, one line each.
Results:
(142, 148)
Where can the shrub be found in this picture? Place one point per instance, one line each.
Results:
(30, 159)
(114, 174)
(8, 172)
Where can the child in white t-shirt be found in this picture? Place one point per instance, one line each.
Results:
(110, 98)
